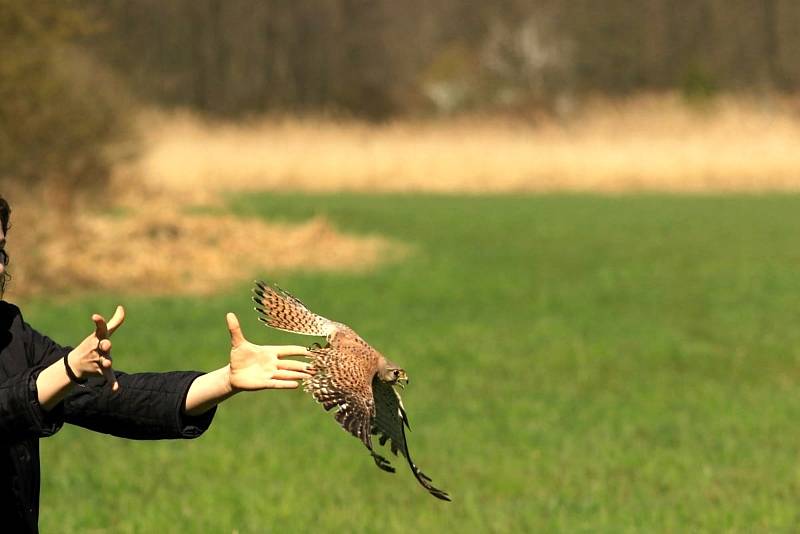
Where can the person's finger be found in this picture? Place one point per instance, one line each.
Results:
(103, 347)
(114, 382)
(108, 373)
(100, 327)
(294, 365)
(292, 350)
(282, 384)
(105, 364)
(237, 338)
(116, 320)
(289, 375)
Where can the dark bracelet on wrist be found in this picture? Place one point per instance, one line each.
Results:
(71, 375)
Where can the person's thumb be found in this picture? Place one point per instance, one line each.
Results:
(237, 338)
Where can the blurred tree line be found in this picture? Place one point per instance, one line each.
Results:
(67, 66)
(381, 57)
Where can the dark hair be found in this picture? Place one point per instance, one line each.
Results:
(5, 215)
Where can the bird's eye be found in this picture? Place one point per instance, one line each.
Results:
(396, 372)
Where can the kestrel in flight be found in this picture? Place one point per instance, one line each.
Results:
(350, 375)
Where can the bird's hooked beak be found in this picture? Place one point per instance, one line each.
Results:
(402, 381)
(396, 376)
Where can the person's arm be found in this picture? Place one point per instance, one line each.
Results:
(147, 406)
(32, 360)
(251, 368)
(182, 404)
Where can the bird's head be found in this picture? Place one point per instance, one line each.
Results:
(393, 374)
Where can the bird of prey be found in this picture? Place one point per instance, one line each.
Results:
(349, 375)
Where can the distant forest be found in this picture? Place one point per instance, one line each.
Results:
(72, 70)
(382, 57)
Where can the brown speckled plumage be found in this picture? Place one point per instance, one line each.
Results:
(347, 377)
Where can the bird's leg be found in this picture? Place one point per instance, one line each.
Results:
(383, 463)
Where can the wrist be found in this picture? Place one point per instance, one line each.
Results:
(74, 372)
(208, 390)
(230, 389)
(52, 385)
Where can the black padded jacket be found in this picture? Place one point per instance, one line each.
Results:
(147, 406)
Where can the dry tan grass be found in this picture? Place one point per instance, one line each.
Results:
(649, 143)
(160, 250)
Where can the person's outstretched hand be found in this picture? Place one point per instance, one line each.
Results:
(254, 367)
(93, 355)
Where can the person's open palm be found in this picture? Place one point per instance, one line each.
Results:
(254, 367)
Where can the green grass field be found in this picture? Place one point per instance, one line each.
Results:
(577, 364)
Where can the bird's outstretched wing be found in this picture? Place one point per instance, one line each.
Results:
(280, 310)
(389, 423)
(344, 383)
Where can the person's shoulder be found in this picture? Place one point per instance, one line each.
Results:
(8, 310)
(9, 316)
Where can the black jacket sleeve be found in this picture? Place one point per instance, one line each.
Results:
(23, 354)
(147, 406)
(21, 416)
